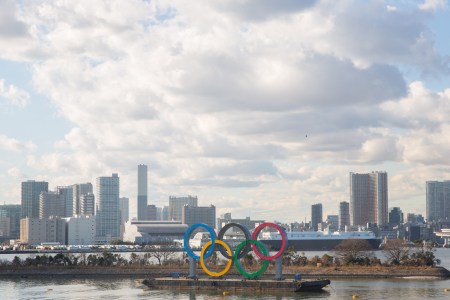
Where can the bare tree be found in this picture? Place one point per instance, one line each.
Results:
(162, 254)
(355, 252)
(396, 251)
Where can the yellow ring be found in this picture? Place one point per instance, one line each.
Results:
(227, 267)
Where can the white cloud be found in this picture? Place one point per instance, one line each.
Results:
(12, 95)
(11, 144)
(235, 104)
(433, 5)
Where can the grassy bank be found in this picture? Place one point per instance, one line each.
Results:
(162, 271)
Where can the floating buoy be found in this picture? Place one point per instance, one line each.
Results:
(49, 289)
(226, 293)
(355, 296)
(446, 290)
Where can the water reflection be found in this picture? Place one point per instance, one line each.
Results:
(113, 288)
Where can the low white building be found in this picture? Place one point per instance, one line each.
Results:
(142, 232)
(81, 230)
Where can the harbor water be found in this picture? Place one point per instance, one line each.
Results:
(122, 288)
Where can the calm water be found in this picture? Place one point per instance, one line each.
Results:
(107, 288)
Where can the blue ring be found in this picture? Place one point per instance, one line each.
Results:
(187, 247)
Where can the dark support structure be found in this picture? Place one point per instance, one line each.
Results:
(192, 268)
(279, 268)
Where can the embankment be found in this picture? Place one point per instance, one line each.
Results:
(288, 272)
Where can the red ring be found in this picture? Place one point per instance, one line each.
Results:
(283, 240)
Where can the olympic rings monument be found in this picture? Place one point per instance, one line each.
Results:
(251, 243)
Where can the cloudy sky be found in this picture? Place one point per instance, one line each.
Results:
(259, 107)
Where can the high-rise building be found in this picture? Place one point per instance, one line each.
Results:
(395, 216)
(87, 204)
(124, 214)
(199, 214)
(66, 194)
(51, 204)
(165, 213)
(5, 227)
(333, 222)
(415, 218)
(176, 205)
(79, 190)
(14, 213)
(124, 207)
(369, 198)
(344, 215)
(316, 216)
(152, 211)
(438, 200)
(142, 193)
(30, 197)
(107, 208)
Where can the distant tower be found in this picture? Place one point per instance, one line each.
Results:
(142, 193)
(51, 204)
(438, 200)
(395, 216)
(78, 191)
(176, 206)
(30, 197)
(316, 216)
(344, 215)
(199, 214)
(66, 195)
(87, 204)
(369, 198)
(124, 204)
(107, 208)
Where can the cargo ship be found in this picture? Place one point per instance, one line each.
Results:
(317, 240)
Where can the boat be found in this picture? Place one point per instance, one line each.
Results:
(317, 240)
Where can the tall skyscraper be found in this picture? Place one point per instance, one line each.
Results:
(51, 204)
(66, 194)
(107, 208)
(78, 191)
(176, 206)
(13, 212)
(344, 215)
(438, 200)
(316, 216)
(142, 193)
(30, 197)
(369, 198)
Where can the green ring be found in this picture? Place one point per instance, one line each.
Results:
(238, 264)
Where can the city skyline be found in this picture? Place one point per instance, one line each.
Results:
(239, 103)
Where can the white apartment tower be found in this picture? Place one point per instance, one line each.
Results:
(369, 198)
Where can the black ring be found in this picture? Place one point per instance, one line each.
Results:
(248, 237)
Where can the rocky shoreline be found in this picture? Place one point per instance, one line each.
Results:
(156, 271)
